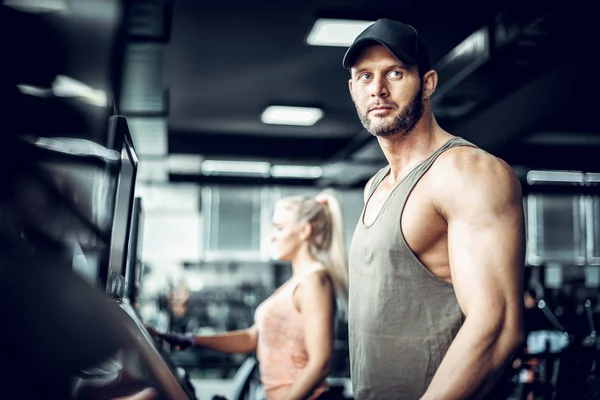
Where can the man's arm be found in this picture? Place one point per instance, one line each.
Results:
(481, 200)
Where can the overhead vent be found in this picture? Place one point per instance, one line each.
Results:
(495, 60)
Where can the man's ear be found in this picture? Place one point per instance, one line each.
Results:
(430, 80)
(350, 86)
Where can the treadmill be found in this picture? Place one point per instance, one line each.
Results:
(141, 361)
(70, 323)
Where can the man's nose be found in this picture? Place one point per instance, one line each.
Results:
(379, 87)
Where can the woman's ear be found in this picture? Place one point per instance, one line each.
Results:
(305, 231)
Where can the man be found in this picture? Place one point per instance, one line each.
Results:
(436, 259)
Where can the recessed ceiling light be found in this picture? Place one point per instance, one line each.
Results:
(225, 167)
(592, 177)
(284, 115)
(64, 86)
(34, 90)
(549, 176)
(335, 32)
(296, 171)
(185, 163)
(37, 6)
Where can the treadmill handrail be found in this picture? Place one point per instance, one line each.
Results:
(242, 378)
(141, 341)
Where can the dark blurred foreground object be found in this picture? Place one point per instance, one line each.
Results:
(53, 324)
(57, 329)
(63, 336)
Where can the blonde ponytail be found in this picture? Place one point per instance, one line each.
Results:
(327, 242)
(336, 258)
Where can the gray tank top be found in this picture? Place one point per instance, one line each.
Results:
(402, 318)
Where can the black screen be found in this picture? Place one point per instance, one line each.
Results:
(133, 265)
(121, 225)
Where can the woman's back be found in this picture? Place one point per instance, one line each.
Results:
(281, 347)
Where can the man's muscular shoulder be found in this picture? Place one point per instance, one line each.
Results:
(465, 174)
(467, 161)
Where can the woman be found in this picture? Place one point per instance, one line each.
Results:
(293, 330)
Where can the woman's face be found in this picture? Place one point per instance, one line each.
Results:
(287, 234)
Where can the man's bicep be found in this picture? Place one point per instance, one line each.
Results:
(485, 261)
(486, 248)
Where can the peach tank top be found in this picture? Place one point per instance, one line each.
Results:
(281, 350)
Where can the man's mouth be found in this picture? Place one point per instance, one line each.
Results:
(380, 109)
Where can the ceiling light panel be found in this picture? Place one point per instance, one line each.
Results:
(223, 167)
(548, 176)
(296, 171)
(285, 115)
(335, 32)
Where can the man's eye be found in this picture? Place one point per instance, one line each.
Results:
(396, 74)
(364, 77)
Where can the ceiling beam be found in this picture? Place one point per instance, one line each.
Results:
(211, 180)
(265, 148)
(519, 113)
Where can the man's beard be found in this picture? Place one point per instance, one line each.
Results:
(402, 123)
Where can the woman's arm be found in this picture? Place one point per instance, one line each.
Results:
(315, 300)
(241, 341)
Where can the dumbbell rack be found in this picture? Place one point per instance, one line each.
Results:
(578, 371)
(563, 374)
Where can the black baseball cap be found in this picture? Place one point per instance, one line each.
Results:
(400, 39)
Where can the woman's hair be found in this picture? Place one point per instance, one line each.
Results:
(327, 243)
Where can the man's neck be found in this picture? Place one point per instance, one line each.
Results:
(404, 151)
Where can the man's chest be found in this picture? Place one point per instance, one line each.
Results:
(421, 225)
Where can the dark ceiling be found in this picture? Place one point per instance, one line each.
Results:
(224, 64)
(525, 90)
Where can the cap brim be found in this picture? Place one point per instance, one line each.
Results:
(357, 47)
